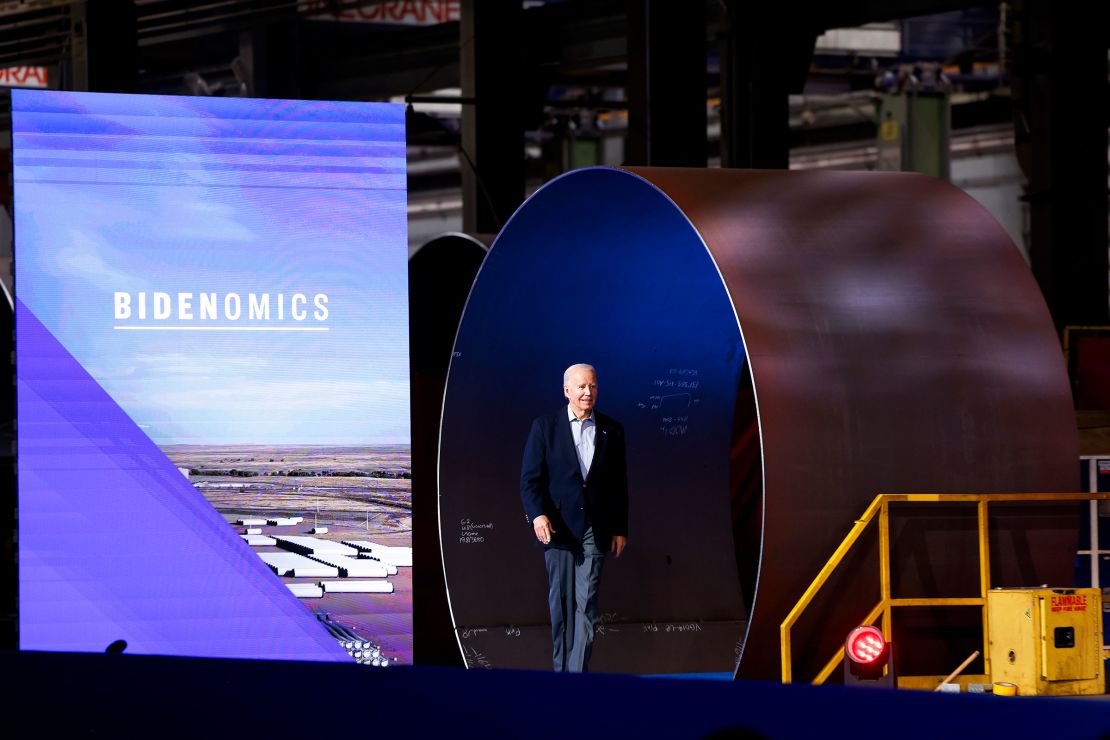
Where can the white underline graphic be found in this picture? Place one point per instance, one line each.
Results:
(223, 328)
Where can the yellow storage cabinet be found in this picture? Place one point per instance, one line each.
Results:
(1047, 641)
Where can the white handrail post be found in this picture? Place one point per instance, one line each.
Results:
(1092, 472)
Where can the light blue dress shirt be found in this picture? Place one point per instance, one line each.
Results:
(585, 433)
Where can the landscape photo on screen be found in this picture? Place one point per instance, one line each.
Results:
(212, 376)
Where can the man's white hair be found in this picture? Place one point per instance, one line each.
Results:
(577, 366)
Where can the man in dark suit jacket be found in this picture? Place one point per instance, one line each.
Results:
(574, 487)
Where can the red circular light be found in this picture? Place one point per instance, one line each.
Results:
(865, 645)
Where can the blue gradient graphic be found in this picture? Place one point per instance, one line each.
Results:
(180, 195)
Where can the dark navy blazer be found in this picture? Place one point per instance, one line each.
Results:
(551, 481)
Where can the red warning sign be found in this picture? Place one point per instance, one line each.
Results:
(1069, 603)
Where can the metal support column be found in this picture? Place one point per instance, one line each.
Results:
(109, 36)
(269, 61)
(492, 157)
(666, 84)
(764, 58)
(1060, 59)
(75, 67)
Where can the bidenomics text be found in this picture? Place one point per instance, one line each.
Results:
(185, 307)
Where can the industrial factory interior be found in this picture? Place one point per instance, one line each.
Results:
(375, 364)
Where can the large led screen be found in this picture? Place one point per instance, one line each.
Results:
(212, 367)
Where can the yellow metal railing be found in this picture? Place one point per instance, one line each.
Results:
(881, 507)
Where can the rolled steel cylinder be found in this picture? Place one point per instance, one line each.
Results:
(441, 272)
(780, 347)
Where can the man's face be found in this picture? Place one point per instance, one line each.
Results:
(581, 392)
